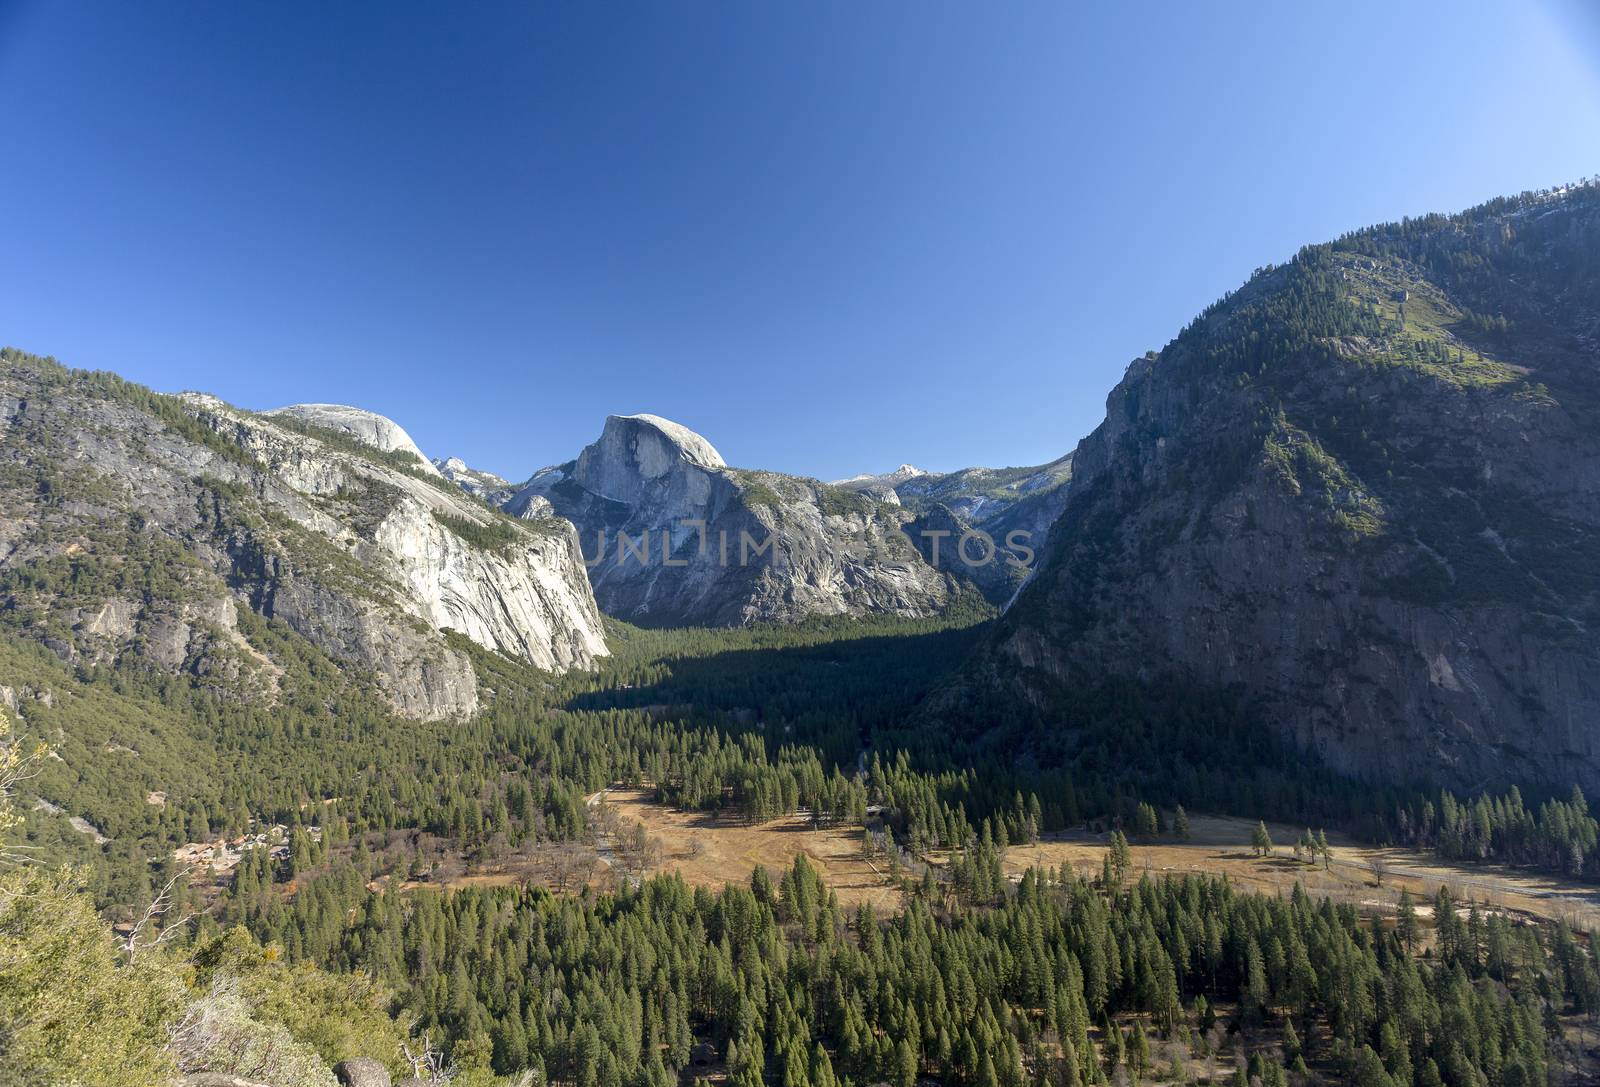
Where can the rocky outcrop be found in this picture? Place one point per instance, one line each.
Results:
(183, 510)
(490, 488)
(673, 536)
(901, 475)
(1378, 520)
(431, 553)
(639, 457)
(362, 1072)
(369, 428)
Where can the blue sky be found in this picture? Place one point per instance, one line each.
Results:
(830, 236)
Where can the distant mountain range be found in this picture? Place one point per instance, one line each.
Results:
(137, 523)
(725, 546)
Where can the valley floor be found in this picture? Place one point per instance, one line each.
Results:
(713, 851)
(637, 837)
(1221, 845)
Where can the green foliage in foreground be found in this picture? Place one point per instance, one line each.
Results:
(70, 1012)
(78, 1008)
(82, 1006)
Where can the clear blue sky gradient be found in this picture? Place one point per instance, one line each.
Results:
(829, 236)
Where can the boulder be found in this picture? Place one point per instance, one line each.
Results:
(361, 1072)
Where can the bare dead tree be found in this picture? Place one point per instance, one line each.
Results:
(562, 863)
(20, 761)
(1378, 865)
(144, 937)
(604, 816)
(428, 1064)
(584, 865)
(571, 864)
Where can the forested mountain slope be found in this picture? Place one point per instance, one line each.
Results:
(1364, 493)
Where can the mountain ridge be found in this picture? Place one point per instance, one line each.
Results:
(141, 524)
(1363, 490)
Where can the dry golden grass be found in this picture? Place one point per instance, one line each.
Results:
(712, 852)
(1221, 845)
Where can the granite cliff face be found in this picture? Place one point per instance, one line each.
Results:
(1364, 491)
(132, 523)
(366, 427)
(673, 536)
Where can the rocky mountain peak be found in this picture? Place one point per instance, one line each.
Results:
(673, 536)
(636, 451)
(493, 489)
(689, 445)
(368, 427)
(886, 479)
(201, 400)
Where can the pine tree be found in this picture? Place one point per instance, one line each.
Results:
(821, 1071)
(1406, 927)
(1139, 1051)
(1291, 1042)
(1146, 824)
(905, 1064)
(1120, 857)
